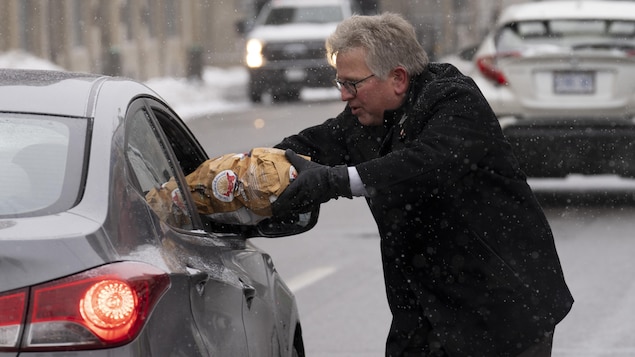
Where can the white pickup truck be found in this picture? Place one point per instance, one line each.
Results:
(285, 47)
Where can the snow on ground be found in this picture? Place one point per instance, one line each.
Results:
(220, 89)
(223, 89)
(188, 97)
(23, 60)
(216, 92)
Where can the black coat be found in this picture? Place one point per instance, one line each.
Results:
(464, 241)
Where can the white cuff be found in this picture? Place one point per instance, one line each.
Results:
(357, 186)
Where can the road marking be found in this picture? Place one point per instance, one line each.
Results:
(303, 280)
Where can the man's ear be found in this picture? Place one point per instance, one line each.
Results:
(400, 80)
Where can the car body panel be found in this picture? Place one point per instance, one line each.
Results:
(220, 285)
(611, 96)
(293, 32)
(583, 9)
(48, 92)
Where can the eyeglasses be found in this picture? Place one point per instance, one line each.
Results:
(350, 86)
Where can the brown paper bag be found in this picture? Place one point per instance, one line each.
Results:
(238, 188)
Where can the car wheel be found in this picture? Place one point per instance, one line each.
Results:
(255, 97)
(290, 95)
(255, 91)
(294, 95)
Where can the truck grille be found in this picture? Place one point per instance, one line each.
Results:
(291, 51)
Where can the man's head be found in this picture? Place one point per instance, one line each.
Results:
(375, 56)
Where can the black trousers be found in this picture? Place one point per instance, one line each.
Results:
(412, 336)
(541, 349)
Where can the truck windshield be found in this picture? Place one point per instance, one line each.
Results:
(304, 14)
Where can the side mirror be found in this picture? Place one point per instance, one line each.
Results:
(242, 26)
(269, 228)
(274, 227)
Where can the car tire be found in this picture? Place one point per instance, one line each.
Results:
(286, 95)
(255, 91)
(255, 97)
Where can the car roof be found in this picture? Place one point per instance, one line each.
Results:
(48, 92)
(574, 9)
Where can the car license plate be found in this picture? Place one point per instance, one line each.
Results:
(574, 82)
(295, 74)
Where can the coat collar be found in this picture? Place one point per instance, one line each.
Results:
(399, 115)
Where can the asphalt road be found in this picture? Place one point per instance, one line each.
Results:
(335, 269)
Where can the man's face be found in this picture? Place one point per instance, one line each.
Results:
(374, 95)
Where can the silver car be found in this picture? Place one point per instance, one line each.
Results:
(89, 267)
(560, 76)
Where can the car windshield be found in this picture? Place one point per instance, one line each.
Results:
(566, 34)
(304, 14)
(40, 169)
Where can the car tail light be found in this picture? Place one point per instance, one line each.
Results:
(488, 65)
(99, 308)
(12, 311)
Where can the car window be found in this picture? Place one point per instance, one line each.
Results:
(186, 148)
(41, 163)
(565, 34)
(155, 176)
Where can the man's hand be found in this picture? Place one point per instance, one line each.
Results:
(314, 185)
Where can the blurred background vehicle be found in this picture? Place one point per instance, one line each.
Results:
(91, 264)
(285, 48)
(559, 74)
(463, 59)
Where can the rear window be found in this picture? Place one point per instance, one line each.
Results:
(566, 34)
(40, 164)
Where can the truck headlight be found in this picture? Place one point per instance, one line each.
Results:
(254, 53)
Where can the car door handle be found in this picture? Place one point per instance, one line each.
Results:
(248, 291)
(198, 278)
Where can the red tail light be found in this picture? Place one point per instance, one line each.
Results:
(12, 310)
(103, 307)
(489, 67)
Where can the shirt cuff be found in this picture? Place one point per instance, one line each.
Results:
(357, 186)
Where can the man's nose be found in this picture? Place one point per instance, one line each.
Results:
(345, 95)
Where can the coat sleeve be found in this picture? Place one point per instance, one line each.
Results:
(449, 133)
(324, 143)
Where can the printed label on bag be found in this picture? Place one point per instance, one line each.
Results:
(224, 185)
(177, 199)
(293, 173)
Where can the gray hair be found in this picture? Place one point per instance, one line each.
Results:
(389, 41)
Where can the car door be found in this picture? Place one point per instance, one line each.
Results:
(259, 315)
(244, 267)
(215, 292)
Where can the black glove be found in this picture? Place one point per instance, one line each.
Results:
(314, 185)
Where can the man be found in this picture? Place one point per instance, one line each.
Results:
(469, 260)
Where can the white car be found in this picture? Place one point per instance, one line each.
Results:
(285, 49)
(560, 75)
